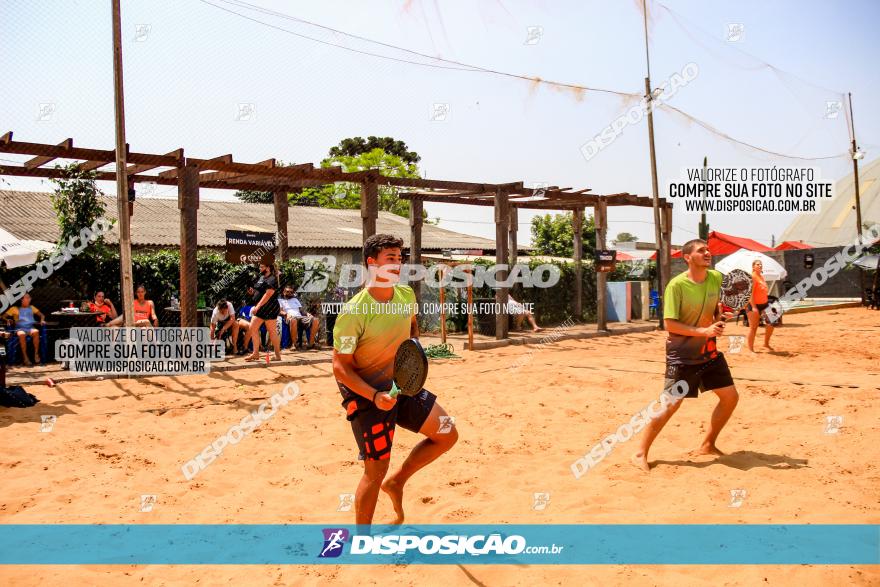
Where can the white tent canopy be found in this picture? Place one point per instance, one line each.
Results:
(743, 258)
(15, 252)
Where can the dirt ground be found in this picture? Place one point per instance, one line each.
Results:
(520, 430)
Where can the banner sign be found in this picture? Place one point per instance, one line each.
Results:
(249, 247)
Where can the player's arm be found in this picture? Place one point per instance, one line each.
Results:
(676, 327)
(343, 370)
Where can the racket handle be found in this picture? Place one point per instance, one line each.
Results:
(395, 391)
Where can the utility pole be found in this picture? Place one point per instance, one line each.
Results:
(121, 174)
(855, 159)
(703, 229)
(662, 248)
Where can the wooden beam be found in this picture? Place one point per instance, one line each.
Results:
(66, 144)
(6, 139)
(416, 220)
(502, 220)
(601, 219)
(577, 225)
(188, 203)
(144, 162)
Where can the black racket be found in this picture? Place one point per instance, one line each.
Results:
(736, 290)
(410, 369)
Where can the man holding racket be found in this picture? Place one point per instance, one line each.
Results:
(691, 313)
(368, 331)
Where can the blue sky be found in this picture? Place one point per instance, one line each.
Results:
(185, 79)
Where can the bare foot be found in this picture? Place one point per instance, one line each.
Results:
(641, 462)
(37, 360)
(395, 492)
(752, 350)
(769, 348)
(277, 357)
(708, 449)
(252, 358)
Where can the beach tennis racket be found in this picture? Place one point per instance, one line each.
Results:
(410, 369)
(736, 290)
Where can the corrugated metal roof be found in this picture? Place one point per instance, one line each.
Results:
(156, 222)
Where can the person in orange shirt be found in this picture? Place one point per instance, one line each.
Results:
(758, 304)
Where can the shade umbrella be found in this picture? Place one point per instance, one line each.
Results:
(868, 262)
(743, 259)
(16, 252)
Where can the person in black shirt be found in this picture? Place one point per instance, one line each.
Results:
(265, 309)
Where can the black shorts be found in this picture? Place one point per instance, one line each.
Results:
(374, 428)
(758, 307)
(713, 374)
(268, 312)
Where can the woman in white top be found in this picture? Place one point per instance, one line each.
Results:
(223, 317)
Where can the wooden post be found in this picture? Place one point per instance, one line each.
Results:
(502, 219)
(188, 203)
(369, 208)
(416, 208)
(577, 224)
(470, 301)
(127, 285)
(442, 309)
(282, 208)
(514, 225)
(601, 218)
(666, 251)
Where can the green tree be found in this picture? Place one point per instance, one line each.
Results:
(355, 146)
(77, 201)
(626, 237)
(347, 195)
(552, 234)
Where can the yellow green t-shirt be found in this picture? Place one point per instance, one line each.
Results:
(693, 304)
(372, 331)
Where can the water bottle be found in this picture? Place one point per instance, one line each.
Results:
(175, 304)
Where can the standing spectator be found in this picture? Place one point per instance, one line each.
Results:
(24, 319)
(144, 309)
(223, 321)
(266, 309)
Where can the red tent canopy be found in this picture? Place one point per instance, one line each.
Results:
(725, 244)
(790, 245)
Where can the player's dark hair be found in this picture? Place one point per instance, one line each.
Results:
(378, 243)
(689, 246)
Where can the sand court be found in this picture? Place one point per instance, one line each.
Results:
(802, 448)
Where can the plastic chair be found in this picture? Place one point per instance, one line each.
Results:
(12, 346)
(655, 303)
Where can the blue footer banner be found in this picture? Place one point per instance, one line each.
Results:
(538, 544)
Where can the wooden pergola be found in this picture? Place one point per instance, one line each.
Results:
(190, 174)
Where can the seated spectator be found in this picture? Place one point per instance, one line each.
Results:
(107, 312)
(520, 313)
(144, 309)
(23, 320)
(223, 321)
(4, 336)
(292, 312)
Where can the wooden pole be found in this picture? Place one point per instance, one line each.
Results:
(667, 238)
(416, 208)
(514, 226)
(369, 208)
(121, 177)
(282, 209)
(188, 203)
(502, 218)
(662, 248)
(855, 161)
(601, 218)
(442, 309)
(470, 301)
(577, 225)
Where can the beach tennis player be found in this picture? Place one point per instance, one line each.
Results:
(692, 314)
(368, 331)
